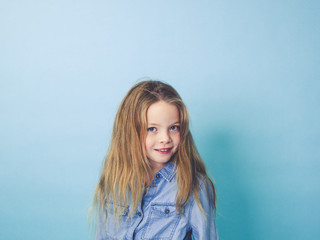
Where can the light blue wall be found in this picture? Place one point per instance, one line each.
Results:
(247, 70)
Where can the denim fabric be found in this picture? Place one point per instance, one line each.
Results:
(157, 217)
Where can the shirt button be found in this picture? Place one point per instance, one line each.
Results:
(167, 211)
(154, 184)
(158, 175)
(139, 213)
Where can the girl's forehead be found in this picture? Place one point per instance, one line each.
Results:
(162, 111)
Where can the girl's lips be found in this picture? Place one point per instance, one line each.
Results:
(163, 150)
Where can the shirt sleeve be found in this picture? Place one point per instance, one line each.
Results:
(100, 228)
(203, 225)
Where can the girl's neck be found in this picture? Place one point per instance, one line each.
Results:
(148, 181)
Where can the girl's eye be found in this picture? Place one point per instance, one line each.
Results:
(175, 128)
(151, 129)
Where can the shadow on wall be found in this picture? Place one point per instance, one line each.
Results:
(220, 150)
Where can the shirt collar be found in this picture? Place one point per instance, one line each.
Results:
(168, 171)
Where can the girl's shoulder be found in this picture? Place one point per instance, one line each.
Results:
(206, 190)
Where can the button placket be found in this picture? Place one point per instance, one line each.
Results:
(156, 180)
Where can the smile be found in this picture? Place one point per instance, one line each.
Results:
(163, 150)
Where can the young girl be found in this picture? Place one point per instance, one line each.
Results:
(154, 184)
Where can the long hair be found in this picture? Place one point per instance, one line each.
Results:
(126, 166)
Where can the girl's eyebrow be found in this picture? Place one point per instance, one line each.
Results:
(155, 124)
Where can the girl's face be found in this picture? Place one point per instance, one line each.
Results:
(163, 136)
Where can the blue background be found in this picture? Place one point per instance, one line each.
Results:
(247, 70)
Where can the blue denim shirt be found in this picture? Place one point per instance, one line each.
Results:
(157, 217)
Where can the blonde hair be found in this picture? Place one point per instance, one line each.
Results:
(126, 166)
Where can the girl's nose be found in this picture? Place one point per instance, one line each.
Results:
(165, 137)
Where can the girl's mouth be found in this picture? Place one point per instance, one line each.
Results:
(163, 150)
